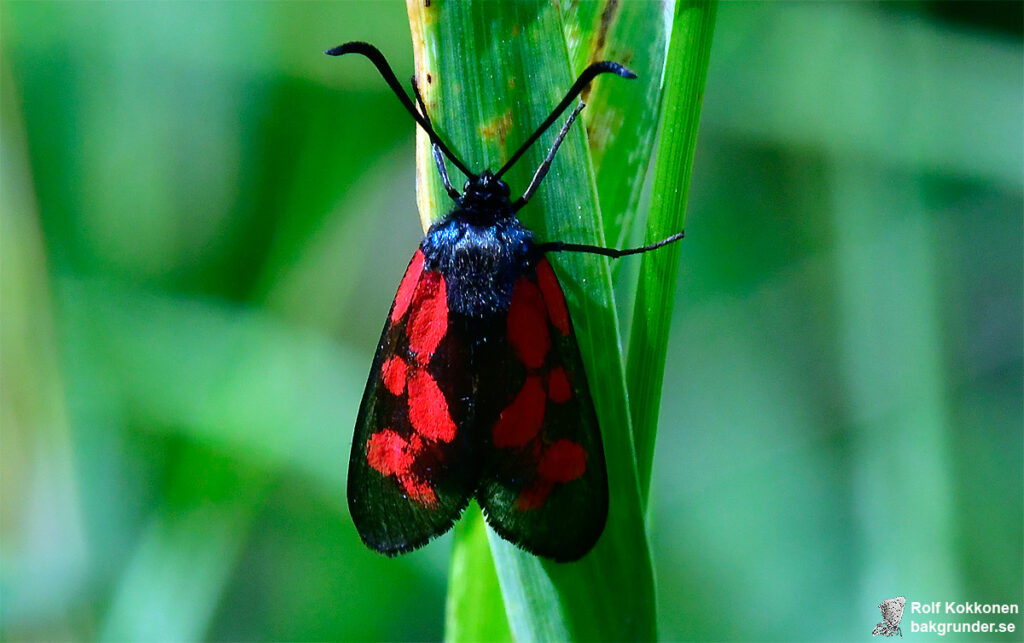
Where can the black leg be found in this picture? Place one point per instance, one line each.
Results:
(442, 169)
(614, 253)
(542, 171)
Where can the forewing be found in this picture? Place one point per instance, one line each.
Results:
(411, 471)
(544, 484)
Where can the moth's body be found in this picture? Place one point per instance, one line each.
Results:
(491, 401)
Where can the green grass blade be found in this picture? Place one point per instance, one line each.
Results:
(486, 93)
(534, 603)
(685, 72)
(473, 590)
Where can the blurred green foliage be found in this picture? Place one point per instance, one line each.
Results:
(203, 223)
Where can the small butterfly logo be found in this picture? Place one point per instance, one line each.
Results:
(892, 614)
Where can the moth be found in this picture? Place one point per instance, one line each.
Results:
(477, 389)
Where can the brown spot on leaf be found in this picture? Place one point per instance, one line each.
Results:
(600, 41)
(498, 128)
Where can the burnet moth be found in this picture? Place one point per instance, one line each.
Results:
(477, 389)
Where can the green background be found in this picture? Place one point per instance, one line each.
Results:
(205, 219)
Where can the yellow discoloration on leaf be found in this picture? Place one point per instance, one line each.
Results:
(602, 126)
(498, 128)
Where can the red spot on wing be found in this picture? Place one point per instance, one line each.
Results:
(521, 421)
(408, 285)
(528, 324)
(553, 297)
(393, 374)
(389, 453)
(558, 386)
(429, 319)
(563, 461)
(533, 497)
(428, 410)
(418, 490)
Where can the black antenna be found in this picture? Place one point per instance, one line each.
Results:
(595, 69)
(378, 60)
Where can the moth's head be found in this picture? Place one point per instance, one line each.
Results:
(484, 190)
